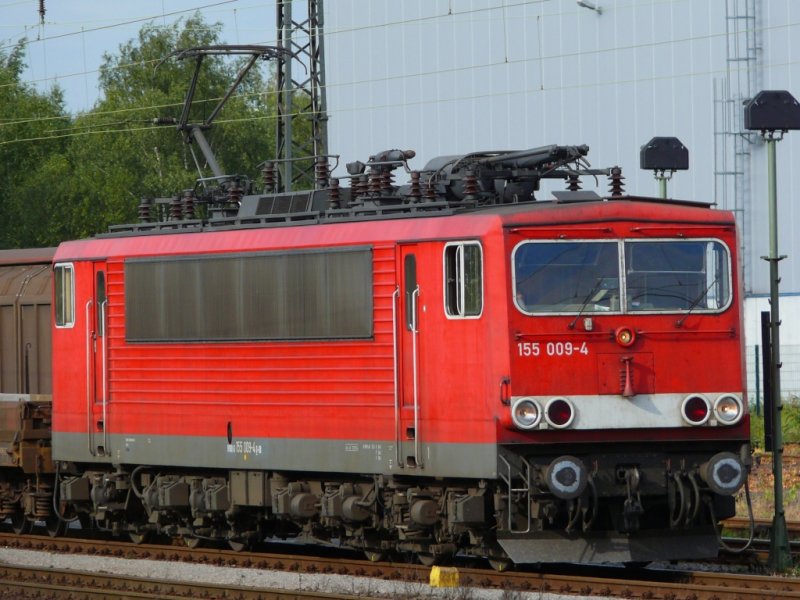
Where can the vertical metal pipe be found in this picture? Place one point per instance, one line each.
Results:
(662, 187)
(415, 358)
(756, 357)
(285, 95)
(397, 438)
(319, 124)
(89, 382)
(779, 556)
(288, 98)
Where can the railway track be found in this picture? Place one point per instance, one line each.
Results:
(760, 544)
(26, 582)
(763, 526)
(564, 579)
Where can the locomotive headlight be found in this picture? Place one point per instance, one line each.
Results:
(728, 409)
(724, 473)
(624, 336)
(526, 413)
(695, 409)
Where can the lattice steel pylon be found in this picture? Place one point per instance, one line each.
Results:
(732, 143)
(301, 102)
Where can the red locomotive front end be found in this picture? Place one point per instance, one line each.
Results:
(627, 417)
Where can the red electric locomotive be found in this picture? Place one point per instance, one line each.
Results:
(444, 366)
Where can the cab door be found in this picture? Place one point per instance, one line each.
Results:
(408, 334)
(97, 394)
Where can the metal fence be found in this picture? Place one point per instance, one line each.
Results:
(790, 374)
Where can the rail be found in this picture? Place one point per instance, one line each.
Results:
(605, 581)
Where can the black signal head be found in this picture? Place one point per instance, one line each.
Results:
(664, 154)
(772, 110)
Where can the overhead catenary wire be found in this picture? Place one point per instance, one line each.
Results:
(117, 24)
(406, 103)
(136, 129)
(405, 76)
(450, 14)
(361, 109)
(561, 56)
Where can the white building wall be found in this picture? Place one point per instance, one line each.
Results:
(457, 76)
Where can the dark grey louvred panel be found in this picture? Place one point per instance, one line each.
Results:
(264, 296)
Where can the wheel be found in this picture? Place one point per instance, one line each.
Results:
(427, 559)
(374, 555)
(55, 526)
(20, 524)
(238, 545)
(499, 564)
(85, 520)
(139, 537)
(192, 542)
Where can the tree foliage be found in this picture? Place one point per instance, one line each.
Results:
(25, 115)
(108, 158)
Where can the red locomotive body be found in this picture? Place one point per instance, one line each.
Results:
(528, 381)
(326, 397)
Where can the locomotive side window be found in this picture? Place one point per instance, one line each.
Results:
(674, 275)
(463, 279)
(410, 270)
(100, 292)
(566, 277)
(64, 295)
(298, 295)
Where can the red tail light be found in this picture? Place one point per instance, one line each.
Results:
(696, 410)
(559, 413)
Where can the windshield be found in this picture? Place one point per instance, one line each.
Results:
(565, 276)
(676, 276)
(584, 276)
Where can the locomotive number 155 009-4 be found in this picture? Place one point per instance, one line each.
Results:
(535, 349)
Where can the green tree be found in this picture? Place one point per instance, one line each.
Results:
(126, 157)
(26, 115)
(78, 185)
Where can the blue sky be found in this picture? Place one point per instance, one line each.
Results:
(68, 48)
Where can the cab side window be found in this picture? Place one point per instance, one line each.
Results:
(463, 280)
(65, 295)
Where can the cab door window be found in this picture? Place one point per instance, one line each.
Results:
(463, 280)
(64, 295)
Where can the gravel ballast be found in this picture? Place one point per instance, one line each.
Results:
(259, 578)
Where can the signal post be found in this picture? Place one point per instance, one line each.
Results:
(773, 113)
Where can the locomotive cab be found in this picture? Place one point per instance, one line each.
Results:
(621, 423)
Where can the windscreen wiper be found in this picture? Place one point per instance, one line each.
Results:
(590, 297)
(696, 301)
